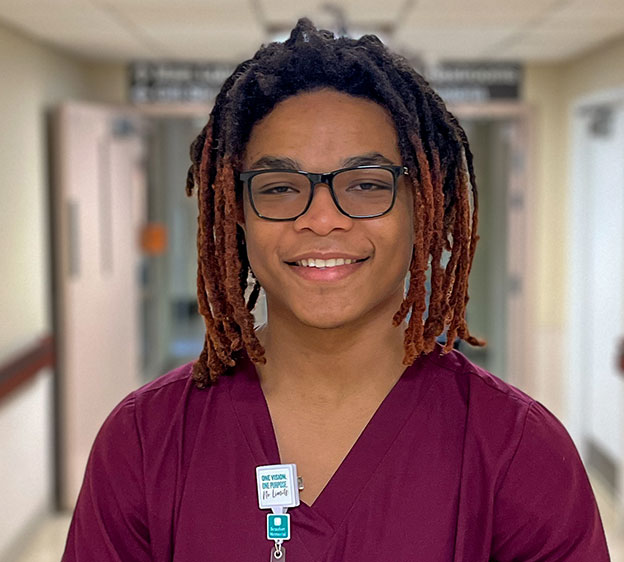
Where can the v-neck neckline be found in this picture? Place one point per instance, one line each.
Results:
(333, 503)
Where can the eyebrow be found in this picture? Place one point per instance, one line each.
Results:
(285, 163)
(276, 162)
(368, 159)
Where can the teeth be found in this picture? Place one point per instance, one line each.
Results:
(332, 262)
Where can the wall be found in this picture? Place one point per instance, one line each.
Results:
(600, 69)
(545, 279)
(25, 481)
(107, 82)
(551, 90)
(35, 78)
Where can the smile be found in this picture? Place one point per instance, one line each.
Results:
(326, 269)
(324, 263)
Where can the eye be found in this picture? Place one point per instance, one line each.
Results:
(277, 189)
(369, 186)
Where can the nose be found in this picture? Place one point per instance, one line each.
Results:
(323, 216)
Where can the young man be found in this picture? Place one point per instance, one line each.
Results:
(329, 171)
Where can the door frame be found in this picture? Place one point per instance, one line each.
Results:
(577, 307)
(520, 241)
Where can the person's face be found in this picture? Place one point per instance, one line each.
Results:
(320, 132)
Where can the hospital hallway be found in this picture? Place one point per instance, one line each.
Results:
(100, 103)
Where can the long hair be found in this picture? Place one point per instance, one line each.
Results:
(433, 146)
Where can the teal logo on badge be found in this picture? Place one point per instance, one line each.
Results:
(278, 526)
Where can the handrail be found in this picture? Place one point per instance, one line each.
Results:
(25, 365)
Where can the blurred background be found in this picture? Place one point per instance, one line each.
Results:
(100, 100)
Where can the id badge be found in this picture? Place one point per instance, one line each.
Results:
(278, 490)
(277, 486)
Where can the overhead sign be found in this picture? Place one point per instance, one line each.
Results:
(176, 82)
(455, 82)
(462, 82)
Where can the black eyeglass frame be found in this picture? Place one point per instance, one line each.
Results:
(324, 179)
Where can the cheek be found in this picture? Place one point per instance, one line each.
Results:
(404, 228)
(254, 246)
(245, 211)
(262, 245)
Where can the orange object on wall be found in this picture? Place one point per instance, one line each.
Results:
(154, 239)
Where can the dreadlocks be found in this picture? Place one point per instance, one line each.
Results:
(434, 149)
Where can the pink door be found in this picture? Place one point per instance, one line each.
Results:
(98, 203)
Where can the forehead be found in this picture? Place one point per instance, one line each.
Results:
(323, 128)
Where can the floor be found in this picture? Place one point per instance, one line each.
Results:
(614, 529)
(47, 545)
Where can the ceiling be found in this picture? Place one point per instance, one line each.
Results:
(231, 30)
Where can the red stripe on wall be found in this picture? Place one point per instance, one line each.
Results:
(23, 367)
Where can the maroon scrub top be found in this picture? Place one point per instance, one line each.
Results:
(455, 465)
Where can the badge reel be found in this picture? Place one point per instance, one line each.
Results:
(278, 489)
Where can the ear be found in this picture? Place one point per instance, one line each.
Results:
(240, 218)
(241, 197)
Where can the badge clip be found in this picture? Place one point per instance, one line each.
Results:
(278, 490)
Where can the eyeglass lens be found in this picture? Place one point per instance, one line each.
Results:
(359, 192)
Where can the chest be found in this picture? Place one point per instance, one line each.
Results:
(386, 489)
(317, 444)
(388, 498)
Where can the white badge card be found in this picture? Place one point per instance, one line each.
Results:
(277, 486)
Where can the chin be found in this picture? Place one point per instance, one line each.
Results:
(325, 323)
(325, 318)
(327, 313)
(314, 314)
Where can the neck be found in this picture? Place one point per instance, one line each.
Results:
(330, 366)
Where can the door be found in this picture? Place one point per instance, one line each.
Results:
(98, 201)
(597, 296)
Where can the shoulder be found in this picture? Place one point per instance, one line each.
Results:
(501, 422)
(487, 395)
(154, 400)
(479, 383)
(520, 466)
(175, 381)
(170, 400)
(158, 393)
(481, 396)
(178, 383)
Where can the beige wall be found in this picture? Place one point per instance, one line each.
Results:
(600, 69)
(107, 82)
(35, 78)
(551, 90)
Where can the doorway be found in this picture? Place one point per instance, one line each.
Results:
(172, 329)
(499, 139)
(596, 298)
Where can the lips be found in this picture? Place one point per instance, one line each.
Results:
(326, 269)
(326, 262)
(325, 259)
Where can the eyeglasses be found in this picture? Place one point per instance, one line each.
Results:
(361, 192)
